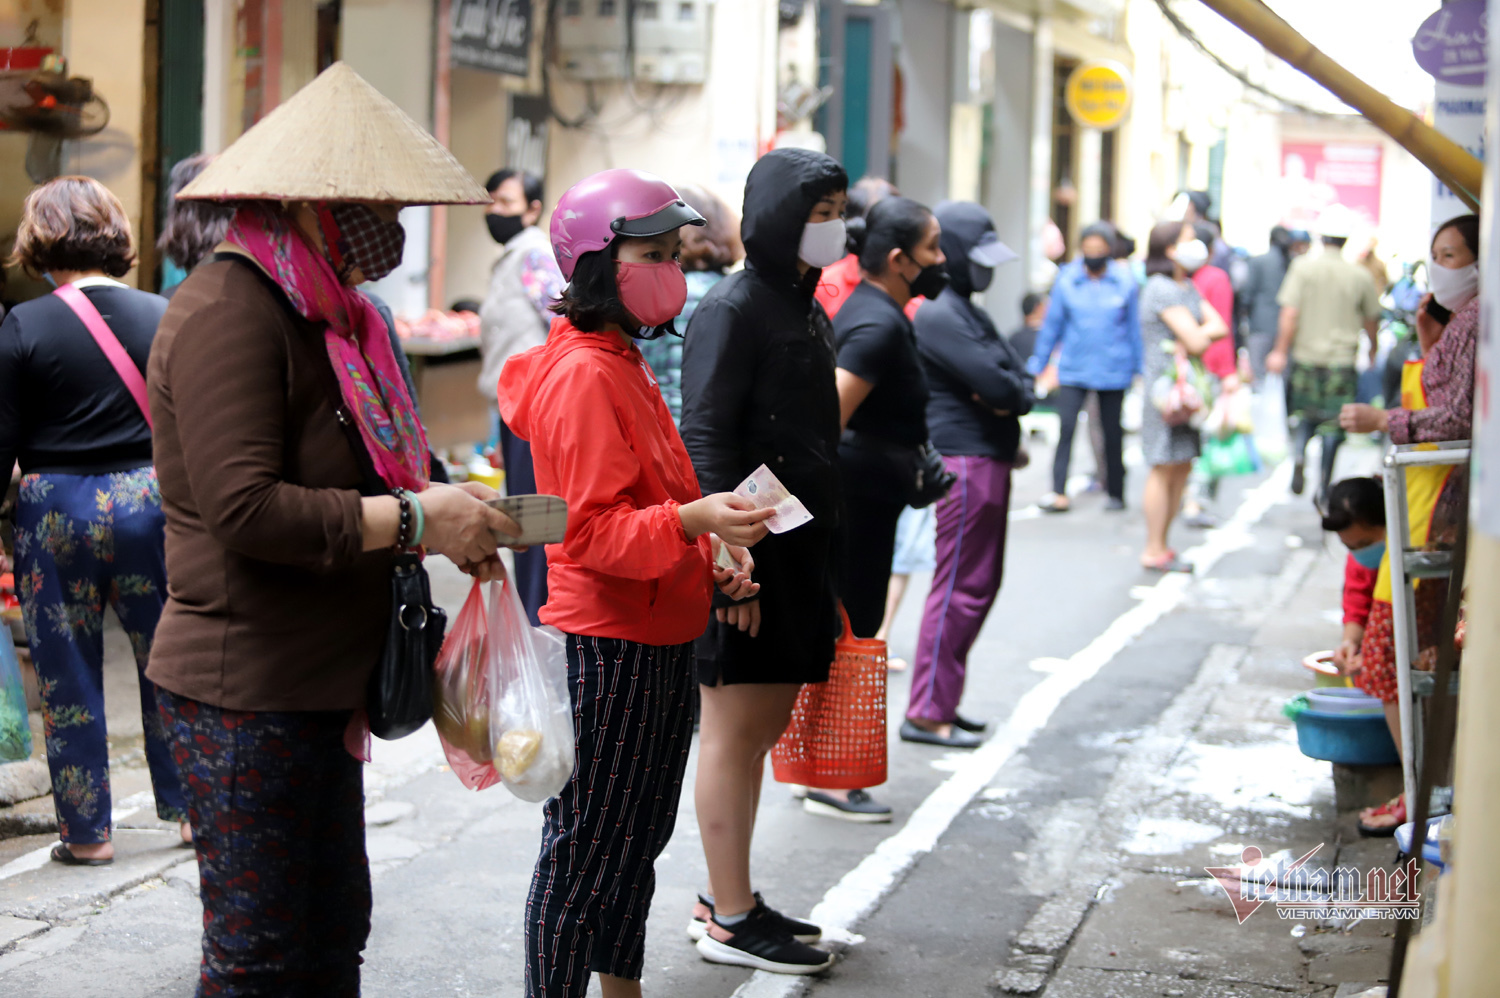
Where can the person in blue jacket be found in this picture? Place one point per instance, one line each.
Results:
(1094, 328)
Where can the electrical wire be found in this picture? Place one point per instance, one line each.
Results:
(1192, 37)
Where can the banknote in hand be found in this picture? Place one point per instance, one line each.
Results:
(764, 489)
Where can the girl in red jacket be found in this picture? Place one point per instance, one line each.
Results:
(631, 583)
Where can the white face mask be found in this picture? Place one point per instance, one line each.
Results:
(1453, 289)
(1192, 255)
(822, 243)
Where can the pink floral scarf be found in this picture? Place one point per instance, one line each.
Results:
(357, 339)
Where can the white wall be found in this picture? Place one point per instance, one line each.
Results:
(926, 57)
(1009, 173)
(390, 44)
(709, 135)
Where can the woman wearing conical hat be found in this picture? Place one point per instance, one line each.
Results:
(279, 541)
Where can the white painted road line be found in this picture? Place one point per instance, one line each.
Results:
(862, 888)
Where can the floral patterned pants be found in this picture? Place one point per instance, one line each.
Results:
(83, 541)
(277, 806)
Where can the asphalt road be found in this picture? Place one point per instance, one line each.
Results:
(451, 868)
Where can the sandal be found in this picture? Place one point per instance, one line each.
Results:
(1168, 562)
(1393, 808)
(62, 854)
(1054, 503)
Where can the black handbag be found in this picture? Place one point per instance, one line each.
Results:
(916, 474)
(933, 479)
(399, 695)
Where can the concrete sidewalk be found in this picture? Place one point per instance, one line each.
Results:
(1220, 772)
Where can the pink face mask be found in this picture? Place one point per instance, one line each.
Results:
(653, 292)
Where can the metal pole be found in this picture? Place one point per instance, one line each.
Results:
(1398, 530)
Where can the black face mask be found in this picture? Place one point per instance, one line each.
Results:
(980, 277)
(930, 282)
(504, 228)
(1096, 264)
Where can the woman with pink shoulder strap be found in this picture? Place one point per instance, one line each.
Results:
(89, 523)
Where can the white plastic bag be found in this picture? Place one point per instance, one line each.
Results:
(1270, 419)
(531, 715)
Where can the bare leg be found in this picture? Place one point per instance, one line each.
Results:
(894, 593)
(740, 725)
(1156, 503)
(618, 987)
(1368, 816)
(1162, 500)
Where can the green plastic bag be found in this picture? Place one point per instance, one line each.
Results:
(1294, 707)
(15, 730)
(1234, 455)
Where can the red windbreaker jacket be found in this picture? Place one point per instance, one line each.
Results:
(602, 438)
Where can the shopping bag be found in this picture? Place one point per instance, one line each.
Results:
(1270, 418)
(1233, 455)
(531, 714)
(837, 736)
(461, 695)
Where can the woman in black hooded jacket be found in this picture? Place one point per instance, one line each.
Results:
(978, 390)
(758, 388)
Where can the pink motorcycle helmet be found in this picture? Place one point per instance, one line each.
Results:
(614, 203)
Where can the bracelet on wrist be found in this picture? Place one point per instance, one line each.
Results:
(405, 525)
(421, 516)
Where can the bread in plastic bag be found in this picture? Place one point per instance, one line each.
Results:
(462, 681)
(531, 714)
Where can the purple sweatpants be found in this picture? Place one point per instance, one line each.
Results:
(971, 523)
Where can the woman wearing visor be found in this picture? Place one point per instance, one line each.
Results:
(979, 390)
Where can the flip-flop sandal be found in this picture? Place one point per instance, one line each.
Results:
(1396, 808)
(1170, 563)
(62, 854)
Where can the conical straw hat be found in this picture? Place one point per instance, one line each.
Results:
(337, 139)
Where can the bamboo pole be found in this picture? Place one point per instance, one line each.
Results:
(1449, 162)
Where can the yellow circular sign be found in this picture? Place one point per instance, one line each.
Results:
(1098, 94)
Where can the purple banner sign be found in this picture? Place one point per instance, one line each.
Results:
(1453, 44)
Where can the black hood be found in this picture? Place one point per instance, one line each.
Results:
(780, 193)
(964, 223)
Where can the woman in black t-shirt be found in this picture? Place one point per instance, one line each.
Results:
(883, 408)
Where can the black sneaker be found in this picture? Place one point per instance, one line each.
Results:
(1299, 479)
(703, 910)
(761, 941)
(859, 807)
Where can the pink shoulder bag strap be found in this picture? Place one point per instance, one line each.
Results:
(110, 344)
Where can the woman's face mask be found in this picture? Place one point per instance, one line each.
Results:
(357, 237)
(1369, 556)
(1192, 255)
(980, 277)
(823, 243)
(652, 292)
(1453, 287)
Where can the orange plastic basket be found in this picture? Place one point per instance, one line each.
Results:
(837, 737)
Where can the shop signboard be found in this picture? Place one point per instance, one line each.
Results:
(526, 134)
(1098, 95)
(1315, 175)
(1453, 43)
(493, 35)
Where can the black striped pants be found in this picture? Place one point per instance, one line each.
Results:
(591, 892)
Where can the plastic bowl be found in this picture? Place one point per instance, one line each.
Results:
(1320, 664)
(1347, 739)
(1343, 700)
